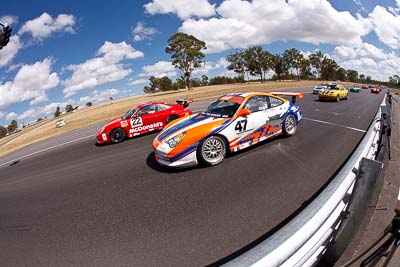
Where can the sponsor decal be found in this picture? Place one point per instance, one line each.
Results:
(124, 124)
(136, 122)
(150, 127)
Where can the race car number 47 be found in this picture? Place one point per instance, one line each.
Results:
(136, 122)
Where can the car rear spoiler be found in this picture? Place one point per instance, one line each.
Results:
(184, 102)
(293, 95)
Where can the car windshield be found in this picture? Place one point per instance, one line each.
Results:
(129, 114)
(333, 87)
(222, 109)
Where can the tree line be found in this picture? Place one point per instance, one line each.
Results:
(253, 63)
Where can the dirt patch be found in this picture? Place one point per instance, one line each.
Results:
(105, 112)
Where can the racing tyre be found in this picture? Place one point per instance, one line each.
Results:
(117, 135)
(337, 98)
(347, 97)
(171, 118)
(211, 151)
(289, 125)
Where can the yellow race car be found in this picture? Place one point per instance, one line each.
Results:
(335, 92)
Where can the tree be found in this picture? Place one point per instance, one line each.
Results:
(3, 131)
(316, 60)
(329, 69)
(158, 84)
(341, 74)
(362, 77)
(352, 75)
(258, 61)
(293, 59)
(39, 119)
(279, 66)
(69, 108)
(368, 79)
(89, 104)
(57, 113)
(13, 126)
(186, 53)
(305, 69)
(237, 63)
(204, 80)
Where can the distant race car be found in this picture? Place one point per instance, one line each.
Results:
(355, 89)
(334, 92)
(320, 87)
(375, 90)
(142, 119)
(364, 86)
(232, 123)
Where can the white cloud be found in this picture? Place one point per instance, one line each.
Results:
(345, 51)
(10, 20)
(184, 9)
(100, 70)
(362, 50)
(11, 116)
(159, 69)
(98, 96)
(222, 63)
(141, 32)
(30, 83)
(358, 3)
(138, 81)
(44, 26)
(378, 69)
(386, 26)
(244, 23)
(47, 110)
(8, 52)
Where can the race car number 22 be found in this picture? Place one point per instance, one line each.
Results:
(241, 126)
(136, 122)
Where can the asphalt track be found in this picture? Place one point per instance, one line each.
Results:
(68, 202)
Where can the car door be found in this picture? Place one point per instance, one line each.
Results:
(249, 129)
(144, 120)
(163, 111)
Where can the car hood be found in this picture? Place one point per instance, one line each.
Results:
(196, 127)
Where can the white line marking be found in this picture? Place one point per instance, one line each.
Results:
(43, 150)
(334, 124)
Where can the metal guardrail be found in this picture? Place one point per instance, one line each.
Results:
(303, 240)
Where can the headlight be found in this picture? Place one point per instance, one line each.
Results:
(174, 141)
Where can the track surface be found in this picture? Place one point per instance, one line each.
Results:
(79, 204)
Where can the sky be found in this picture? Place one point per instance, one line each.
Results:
(72, 52)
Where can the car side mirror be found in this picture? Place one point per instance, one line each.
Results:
(244, 112)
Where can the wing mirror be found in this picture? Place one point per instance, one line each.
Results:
(244, 112)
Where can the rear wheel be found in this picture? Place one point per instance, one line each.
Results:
(211, 151)
(117, 135)
(347, 96)
(337, 98)
(171, 118)
(289, 125)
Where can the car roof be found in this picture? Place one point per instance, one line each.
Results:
(149, 103)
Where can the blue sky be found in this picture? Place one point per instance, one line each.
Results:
(72, 52)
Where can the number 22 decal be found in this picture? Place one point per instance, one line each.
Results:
(136, 122)
(241, 126)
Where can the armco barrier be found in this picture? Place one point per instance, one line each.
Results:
(303, 240)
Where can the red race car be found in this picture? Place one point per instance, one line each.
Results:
(142, 119)
(375, 90)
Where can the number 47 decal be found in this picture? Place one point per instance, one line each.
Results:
(241, 126)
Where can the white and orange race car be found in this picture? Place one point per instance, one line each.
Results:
(232, 123)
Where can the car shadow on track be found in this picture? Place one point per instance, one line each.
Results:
(152, 163)
(128, 139)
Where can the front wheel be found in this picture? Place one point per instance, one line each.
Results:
(347, 97)
(211, 151)
(337, 98)
(289, 125)
(117, 135)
